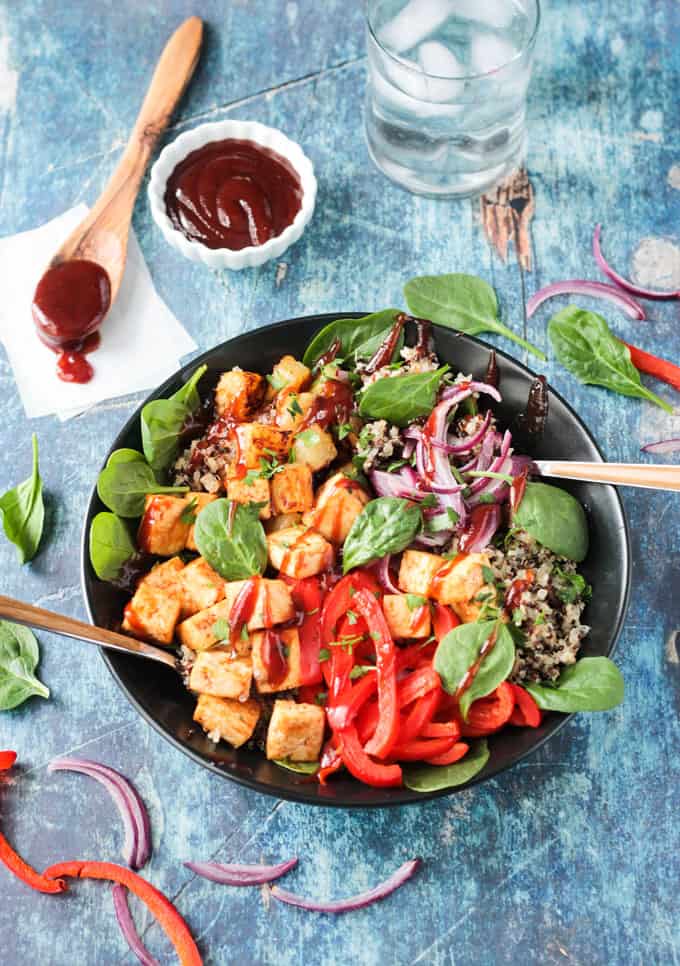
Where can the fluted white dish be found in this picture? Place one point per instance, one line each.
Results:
(268, 137)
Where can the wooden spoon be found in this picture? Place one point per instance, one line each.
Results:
(102, 236)
(45, 620)
(648, 476)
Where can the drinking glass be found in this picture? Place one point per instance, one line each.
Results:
(446, 93)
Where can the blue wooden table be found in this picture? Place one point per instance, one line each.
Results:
(573, 857)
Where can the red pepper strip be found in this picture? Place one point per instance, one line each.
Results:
(344, 710)
(25, 872)
(526, 713)
(415, 655)
(361, 766)
(340, 599)
(387, 732)
(441, 729)
(7, 759)
(331, 760)
(309, 694)
(417, 684)
(418, 717)
(653, 366)
(459, 750)
(367, 721)
(490, 713)
(308, 598)
(443, 620)
(422, 749)
(161, 908)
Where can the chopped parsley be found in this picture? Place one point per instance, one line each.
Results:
(295, 409)
(189, 512)
(343, 429)
(429, 501)
(569, 587)
(221, 629)
(324, 654)
(352, 617)
(359, 670)
(415, 601)
(486, 498)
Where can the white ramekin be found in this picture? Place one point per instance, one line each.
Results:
(189, 141)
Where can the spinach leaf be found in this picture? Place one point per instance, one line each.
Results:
(232, 539)
(162, 421)
(459, 650)
(302, 767)
(110, 545)
(401, 399)
(433, 778)
(592, 684)
(359, 338)
(385, 525)
(555, 519)
(125, 455)
(462, 302)
(19, 656)
(123, 487)
(23, 512)
(586, 346)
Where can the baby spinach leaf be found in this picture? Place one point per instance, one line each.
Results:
(462, 302)
(110, 545)
(385, 525)
(302, 767)
(433, 778)
(19, 656)
(359, 338)
(586, 346)
(162, 421)
(592, 684)
(125, 455)
(123, 487)
(459, 650)
(555, 519)
(401, 399)
(23, 512)
(232, 540)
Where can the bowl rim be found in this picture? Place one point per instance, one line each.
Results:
(196, 137)
(296, 793)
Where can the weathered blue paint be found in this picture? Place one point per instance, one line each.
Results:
(572, 857)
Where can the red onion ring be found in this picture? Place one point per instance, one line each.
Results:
(597, 290)
(137, 843)
(127, 926)
(381, 891)
(394, 484)
(484, 483)
(382, 570)
(643, 293)
(485, 536)
(470, 387)
(241, 875)
(663, 446)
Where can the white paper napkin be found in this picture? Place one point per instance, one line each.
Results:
(141, 340)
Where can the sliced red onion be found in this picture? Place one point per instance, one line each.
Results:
(397, 879)
(491, 523)
(384, 575)
(394, 484)
(241, 875)
(484, 483)
(137, 843)
(499, 489)
(430, 540)
(643, 293)
(663, 446)
(127, 926)
(597, 290)
(409, 448)
(470, 387)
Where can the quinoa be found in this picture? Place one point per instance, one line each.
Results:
(378, 440)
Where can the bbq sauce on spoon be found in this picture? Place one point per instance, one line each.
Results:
(232, 194)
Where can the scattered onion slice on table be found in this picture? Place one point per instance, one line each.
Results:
(598, 290)
(137, 842)
(643, 293)
(381, 891)
(663, 446)
(241, 875)
(127, 926)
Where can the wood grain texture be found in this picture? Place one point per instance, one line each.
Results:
(572, 858)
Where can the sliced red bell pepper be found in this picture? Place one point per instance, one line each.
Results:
(490, 713)
(416, 684)
(331, 760)
(344, 709)
(340, 599)
(526, 713)
(458, 751)
(422, 749)
(312, 694)
(419, 716)
(441, 729)
(7, 759)
(443, 620)
(161, 908)
(654, 366)
(387, 731)
(364, 768)
(308, 598)
(367, 721)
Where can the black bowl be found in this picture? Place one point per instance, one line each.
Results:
(159, 695)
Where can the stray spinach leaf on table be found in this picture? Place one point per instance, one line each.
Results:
(111, 545)
(462, 302)
(19, 656)
(434, 778)
(386, 525)
(555, 519)
(586, 346)
(232, 540)
(124, 485)
(592, 684)
(162, 421)
(401, 399)
(23, 512)
(359, 338)
(459, 650)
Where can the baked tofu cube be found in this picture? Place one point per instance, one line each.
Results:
(165, 575)
(289, 374)
(224, 718)
(468, 610)
(460, 581)
(259, 442)
(162, 531)
(417, 571)
(299, 552)
(295, 731)
(289, 641)
(315, 447)
(152, 613)
(292, 408)
(251, 490)
(200, 587)
(282, 521)
(219, 673)
(195, 503)
(405, 621)
(291, 489)
(338, 503)
(273, 605)
(239, 394)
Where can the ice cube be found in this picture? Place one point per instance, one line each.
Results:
(495, 13)
(413, 23)
(488, 52)
(436, 59)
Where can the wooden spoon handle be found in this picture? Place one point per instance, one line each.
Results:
(647, 475)
(45, 620)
